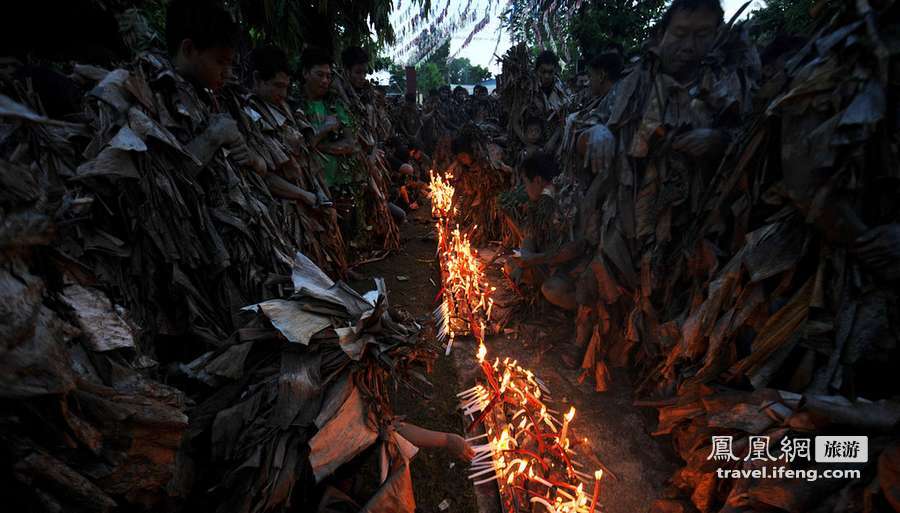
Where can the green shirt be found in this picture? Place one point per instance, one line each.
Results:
(317, 112)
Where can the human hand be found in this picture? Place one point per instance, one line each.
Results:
(459, 448)
(332, 124)
(601, 148)
(224, 130)
(879, 249)
(323, 201)
(701, 142)
(243, 156)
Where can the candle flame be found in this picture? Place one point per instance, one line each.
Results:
(598, 474)
(482, 352)
(571, 414)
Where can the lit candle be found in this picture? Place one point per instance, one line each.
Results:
(534, 477)
(565, 427)
(597, 476)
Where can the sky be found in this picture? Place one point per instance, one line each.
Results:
(481, 50)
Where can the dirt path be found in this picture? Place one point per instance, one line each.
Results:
(412, 276)
(619, 432)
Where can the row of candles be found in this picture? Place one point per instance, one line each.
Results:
(531, 457)
(533, 446)
(465, 294)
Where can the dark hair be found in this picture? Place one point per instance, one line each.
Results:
(414, 144)
(314, 56)
(546, 57)
(609, 62)
(689, 6)
(533, 120)
(268, 61)
(479, 87)
(460, 88)
(444, 87)
(540, 164)
(204, 22)
(354, 55)
(461, 144)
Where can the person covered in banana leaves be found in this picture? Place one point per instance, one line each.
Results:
(662, 131)
(479, 175)
(277, 135)
(200, 242)
(334, 141)
(543, 262)
(807, 216)
(549, 100)
(604, 70)
(373, 127)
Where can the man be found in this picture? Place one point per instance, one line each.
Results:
(604, 71)
(276, 133)
(651, 161)
(479, 176)
(540, 262)
(550, 98)
(373, 128)
(334, 136)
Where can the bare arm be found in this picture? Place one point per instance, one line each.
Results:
(427, 438)
(281, 188)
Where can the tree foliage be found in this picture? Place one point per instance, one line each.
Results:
(428, 77)
(600, 24)
(461, 71)
(784, 16)
(572, 30)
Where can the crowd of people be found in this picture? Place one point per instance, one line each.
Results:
(706, 210)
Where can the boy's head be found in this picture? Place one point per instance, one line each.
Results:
(688, 32)
(462, 149)
(356, 62)
(444, 92)
(201, 37)
(539, 169)
(534, 129)
(480, 91)
(271, 74)
(546, 66)
(605, 69)
(414, 149)
(460, 93)
(316, 65)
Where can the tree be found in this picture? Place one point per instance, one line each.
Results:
(461, 71)
(571, 28)
(787, 16)
(429, 76)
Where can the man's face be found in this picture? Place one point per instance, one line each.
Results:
(533, 133)
(534, 187)
(582, 81)
(209, 68)
(461, 95)
(598, 81)
(415, 155)
(481, 92)
(687, 39)
(275, 89)
(318, 81)
(357, 74)
(444, 94)
(464, 158)
(547, 75)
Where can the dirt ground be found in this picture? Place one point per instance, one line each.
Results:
(618, 431)
(412, 276)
